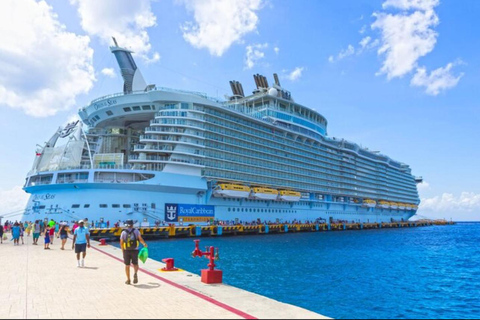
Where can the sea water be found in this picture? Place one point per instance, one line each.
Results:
(428, 272)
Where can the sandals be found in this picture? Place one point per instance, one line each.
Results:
(128, 282)
(135, 279)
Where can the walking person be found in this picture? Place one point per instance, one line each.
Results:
(62, 233)
(36, 232)
(28, 228)
(129, 242)
(1, 234)
(16, 234)
(47, 238)
(52, 231)
(81, 240)
(22, 231)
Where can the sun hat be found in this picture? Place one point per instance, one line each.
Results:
(129, 223)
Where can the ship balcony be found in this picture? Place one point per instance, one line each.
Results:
(419, 179)
(144, 148)
(166, 160)
(152, 131)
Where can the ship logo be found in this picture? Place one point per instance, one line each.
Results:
(171, 212)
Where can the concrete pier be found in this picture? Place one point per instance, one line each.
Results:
(38, 283)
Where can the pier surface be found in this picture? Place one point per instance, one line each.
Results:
(38, 283)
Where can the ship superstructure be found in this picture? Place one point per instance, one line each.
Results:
(158, 154)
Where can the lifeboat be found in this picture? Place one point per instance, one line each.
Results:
(264, 193)
(384, 204)
(401, 206)
(369, 203)
(231, 191)
(394, 205)
(287, 195)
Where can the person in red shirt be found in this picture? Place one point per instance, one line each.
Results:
(75, 226)
(52, 234)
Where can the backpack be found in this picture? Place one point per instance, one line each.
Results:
(131, 241)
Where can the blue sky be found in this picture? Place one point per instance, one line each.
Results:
(397, 76)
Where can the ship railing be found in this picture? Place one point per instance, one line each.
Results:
(196, 93)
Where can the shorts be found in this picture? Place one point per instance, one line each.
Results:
(63, 237)
(79, 248)
(130, 256)
(47, 240)
(36, 235)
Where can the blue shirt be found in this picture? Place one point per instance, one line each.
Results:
(81, 234)
(16, 232)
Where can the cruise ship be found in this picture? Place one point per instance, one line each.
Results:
(159, 155)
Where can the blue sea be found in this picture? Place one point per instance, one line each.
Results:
(429, 272)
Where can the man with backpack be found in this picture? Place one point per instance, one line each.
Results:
(129, 242)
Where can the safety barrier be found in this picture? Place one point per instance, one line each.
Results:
(219, 230)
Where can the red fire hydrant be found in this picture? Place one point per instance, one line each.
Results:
(210, 275)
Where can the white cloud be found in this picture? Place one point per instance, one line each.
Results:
(411, 4)
(365, 41)
(438, 80)
(295, 74)
(13, 201)
(363, 29)
(277, 50)
(220, 23)
(126, 20)
(254, 53)
(343, 54)
(464, 206)
(44, 67)
(406, 37)
(423, 186)
(109, 72)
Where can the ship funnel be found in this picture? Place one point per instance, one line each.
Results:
(277, 81)
(260, 81)
(237, 89)
(132, 77)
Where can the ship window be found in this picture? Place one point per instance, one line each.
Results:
(136, 108)
(154, 206)
(127, 109)
(103, 206)
(86, 206)
(97, 118)
(75, 206)
(229, 209)
(146, 108)
(109, 113)
(126, 206)
(153, 107)
(42, 207)
(115, 206)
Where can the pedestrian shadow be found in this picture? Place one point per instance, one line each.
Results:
(90, 268)
(148, 286)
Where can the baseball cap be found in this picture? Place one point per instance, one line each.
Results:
(81, 221)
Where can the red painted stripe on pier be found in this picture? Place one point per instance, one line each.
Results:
(178, 286)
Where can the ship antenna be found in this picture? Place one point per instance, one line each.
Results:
(115, 41)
